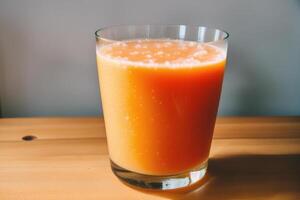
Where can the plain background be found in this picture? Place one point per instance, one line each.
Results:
(47, 52)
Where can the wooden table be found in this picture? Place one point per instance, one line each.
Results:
(251, 158)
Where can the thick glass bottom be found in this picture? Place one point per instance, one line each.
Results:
(169, 182)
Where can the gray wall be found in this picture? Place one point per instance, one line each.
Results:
(47, 51)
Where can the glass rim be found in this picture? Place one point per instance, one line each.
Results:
(98, 31)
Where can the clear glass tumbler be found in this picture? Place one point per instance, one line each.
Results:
(160, 87)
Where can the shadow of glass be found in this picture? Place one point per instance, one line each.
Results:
(244, 177)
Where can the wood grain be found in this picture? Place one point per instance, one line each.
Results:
(251, 158)
(12, 129)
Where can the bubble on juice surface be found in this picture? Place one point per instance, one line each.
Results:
(157, 45)
(151, 61)
(167, 44)
(159, 53)
(138, 46)
(200, 52)
(192, 44)
(133, 53)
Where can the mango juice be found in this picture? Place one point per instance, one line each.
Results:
(160, 99)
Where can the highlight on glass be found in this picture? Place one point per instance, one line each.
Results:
(160, 88)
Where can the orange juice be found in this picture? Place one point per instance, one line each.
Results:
(160, 99)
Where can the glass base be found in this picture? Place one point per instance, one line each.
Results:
(169, 182)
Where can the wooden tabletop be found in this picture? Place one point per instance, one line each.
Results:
(67, 158)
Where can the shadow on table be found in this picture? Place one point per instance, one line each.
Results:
(245, 177)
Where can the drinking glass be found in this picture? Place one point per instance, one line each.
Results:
(160, 87)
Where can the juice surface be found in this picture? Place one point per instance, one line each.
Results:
(160, 99)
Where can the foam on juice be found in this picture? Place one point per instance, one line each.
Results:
(161, 53)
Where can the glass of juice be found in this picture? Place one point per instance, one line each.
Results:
(160, 87)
